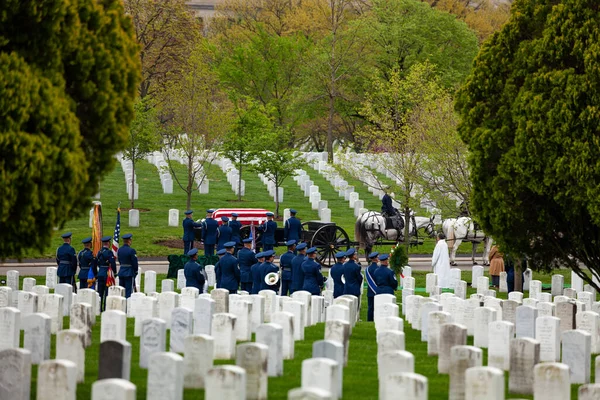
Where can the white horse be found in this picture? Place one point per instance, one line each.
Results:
(371, 226)
(458, 230)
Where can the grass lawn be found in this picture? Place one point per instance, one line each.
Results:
(360, 376)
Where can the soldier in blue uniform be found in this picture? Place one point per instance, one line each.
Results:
(209, 234)
(285, 263)
(266, 268)
(194, 273)
(292, 229)
(313, 278)
(372, 286)
(297, 273)
(336, 272)
(86, 261)
(66, 261)
(128, 264)
(236, 227)
(220, 254)
(188, 231)
(385, 279)
(230, 272)
(257, 273)
(223, 233)
(352, 274)
(268, 229)
(246, 259)
(105, 259)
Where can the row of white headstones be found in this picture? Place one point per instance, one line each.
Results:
(203, 327)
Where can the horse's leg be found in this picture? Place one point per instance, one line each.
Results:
(457, 243)
(487, 246)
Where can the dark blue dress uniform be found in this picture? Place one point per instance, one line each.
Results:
(128, 266)
(105, 260)
(236, 227)
(285, 263)
(371, 285)
(353, 276)
(209, 235)
(246, 259)
(297, 273)
(193, 273)
(266, 268)
(66, 261)
(268, 229)
(86, 261)
(188, 232)
(336, 272)
(257, 274)
(223, 234)
(292, 229)
(220, 253)
(230, 272)
(385, 279)
(386, 205)
(313, 279)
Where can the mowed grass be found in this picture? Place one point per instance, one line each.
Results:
(360, 375)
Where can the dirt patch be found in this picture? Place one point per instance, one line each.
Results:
(142, 210)
(176, 244)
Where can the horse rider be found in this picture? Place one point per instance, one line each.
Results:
(268, 229)
(66, 261)
(266, 268)
(209, 233)
(387, 208)
(285, 263)
(246, 259)
(385, 279)
(188, 231)
(128, 264)
(105, 259)
(86, 261)
(257, 273)
(336, 272)
(297, 273)
(352, 274)
(194, 273)
(372, 287)
(313, 278)
(292, 229)
(230, 272)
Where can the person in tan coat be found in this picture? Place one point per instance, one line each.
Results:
(496, 265)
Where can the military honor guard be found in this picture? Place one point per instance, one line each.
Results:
(66, 261)
(372, 286)
(285, 264)
(352, 274)
(236, 227)
(292, 229)
(194, 273)
(268, 229)
(268, 267)
(256, 271)
(220, 254)
(223, 233)
(297, 273)
(385, 279)
(209, 234)
(105, 259)
(128, 264)
(313, 278)
(246, 259)
(230, 272)
(336, 272)
(188, 231)
(86, 261)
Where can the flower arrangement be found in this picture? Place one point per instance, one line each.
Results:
(398, 258)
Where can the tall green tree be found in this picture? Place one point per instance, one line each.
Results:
(530, 119)
(144, 137)
(68, 75)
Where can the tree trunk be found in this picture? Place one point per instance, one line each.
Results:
(133, 182)
(240, 184)
(407, 227)
(276, 199)
(330, 128)
(190, 182)
(518, 276)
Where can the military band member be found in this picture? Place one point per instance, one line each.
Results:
(194, 273)
(66, 261)
(188, 231)
(266, 268)
(268, 229)
(257, 273)
(372, 287)
(230, 272)
(223, 233)
(209, 234)
(105, 259)
(297, 273)
(313, 279)
(336, 272)
(285, 263)
(246, 259)
(220, 254)
(384, 277)
(86, 261)
(128, 264)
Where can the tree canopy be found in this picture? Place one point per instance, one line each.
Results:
(531, 120)
(68, 76)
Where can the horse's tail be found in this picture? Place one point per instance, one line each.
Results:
(360, 232)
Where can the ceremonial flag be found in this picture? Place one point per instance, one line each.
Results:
(110, 279)
(91, 279)
(253, 236)
(96, 227)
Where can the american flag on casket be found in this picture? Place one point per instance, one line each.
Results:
(246, 216)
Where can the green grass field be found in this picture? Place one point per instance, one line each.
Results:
(360, 375)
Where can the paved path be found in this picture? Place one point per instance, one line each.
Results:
(161, 266)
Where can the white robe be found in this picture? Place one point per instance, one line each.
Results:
(441, 263)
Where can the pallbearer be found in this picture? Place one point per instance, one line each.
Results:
(128, 264)
(266, 268)
(86, 261)
(209, 234)
(385, 279)
(336, 272)
(372, 287)
(223, 233)
(285, 263)
(188, 231)
(236, 227)
(66, 261)
(268, 229)
(106, 260)
(194, 273)
(246, 259)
